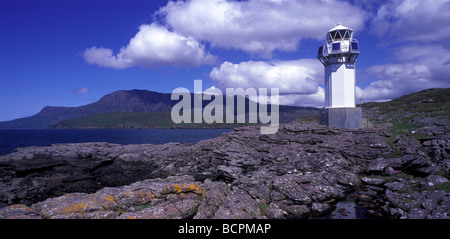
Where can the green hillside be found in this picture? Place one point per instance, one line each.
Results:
(118, 120)
(162, 120)
(431, 101)
(416, 114)
(128, 109)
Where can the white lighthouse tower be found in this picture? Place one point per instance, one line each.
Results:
(338, 54)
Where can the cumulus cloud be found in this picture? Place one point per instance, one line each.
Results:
(291, 77)
(105, 57)
(408, 20)
(435, 56)
(153, 45)
(80, 91)
(398, 79)
(187, 30)
(422, 53)
(298, 80)
(259, 26)
(316, 99)
(256, 26)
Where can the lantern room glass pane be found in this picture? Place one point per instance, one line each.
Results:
(336, 46)
(333, 35)
(354, 46)
(347, 35)
(341, 33)
(320, 51)
(337, 36)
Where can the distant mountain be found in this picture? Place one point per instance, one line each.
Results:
(119, 101)
(134, 107)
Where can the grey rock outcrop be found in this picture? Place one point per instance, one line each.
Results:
(300, 172)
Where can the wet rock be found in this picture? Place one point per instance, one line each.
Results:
(349, 179)
(326, 192)
(321, 209)
(343, 211)
(296, 211)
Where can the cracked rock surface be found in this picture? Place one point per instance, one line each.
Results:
(299, 172)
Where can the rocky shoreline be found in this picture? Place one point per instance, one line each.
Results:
(303, 171)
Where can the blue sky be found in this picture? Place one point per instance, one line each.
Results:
(72, 52)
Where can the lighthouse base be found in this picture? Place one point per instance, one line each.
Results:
(350, 118)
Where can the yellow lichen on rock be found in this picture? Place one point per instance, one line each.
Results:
(185, 188)
(109, 198)
(75, 208)
(20, 207)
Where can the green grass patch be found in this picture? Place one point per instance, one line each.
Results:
(262, 207)
(402, 126)
(138, 120)
(443, 174)
(394, 176)
(426, 101)
(415, 182)
(444, 186)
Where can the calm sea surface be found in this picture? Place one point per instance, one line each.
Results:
(17, 138)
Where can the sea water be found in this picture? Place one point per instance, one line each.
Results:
(18, 138)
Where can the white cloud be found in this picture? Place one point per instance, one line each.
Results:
(291, 77)
(153, 45)
(434, 56)
(105, 57)
(422, 50)
(259, 26)
(297, 80)
(316, 99)
(413, 20)
(399, 79)
(80, 91)
(421, 66)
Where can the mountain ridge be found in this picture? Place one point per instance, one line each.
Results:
(112, 102)
(132, 101)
